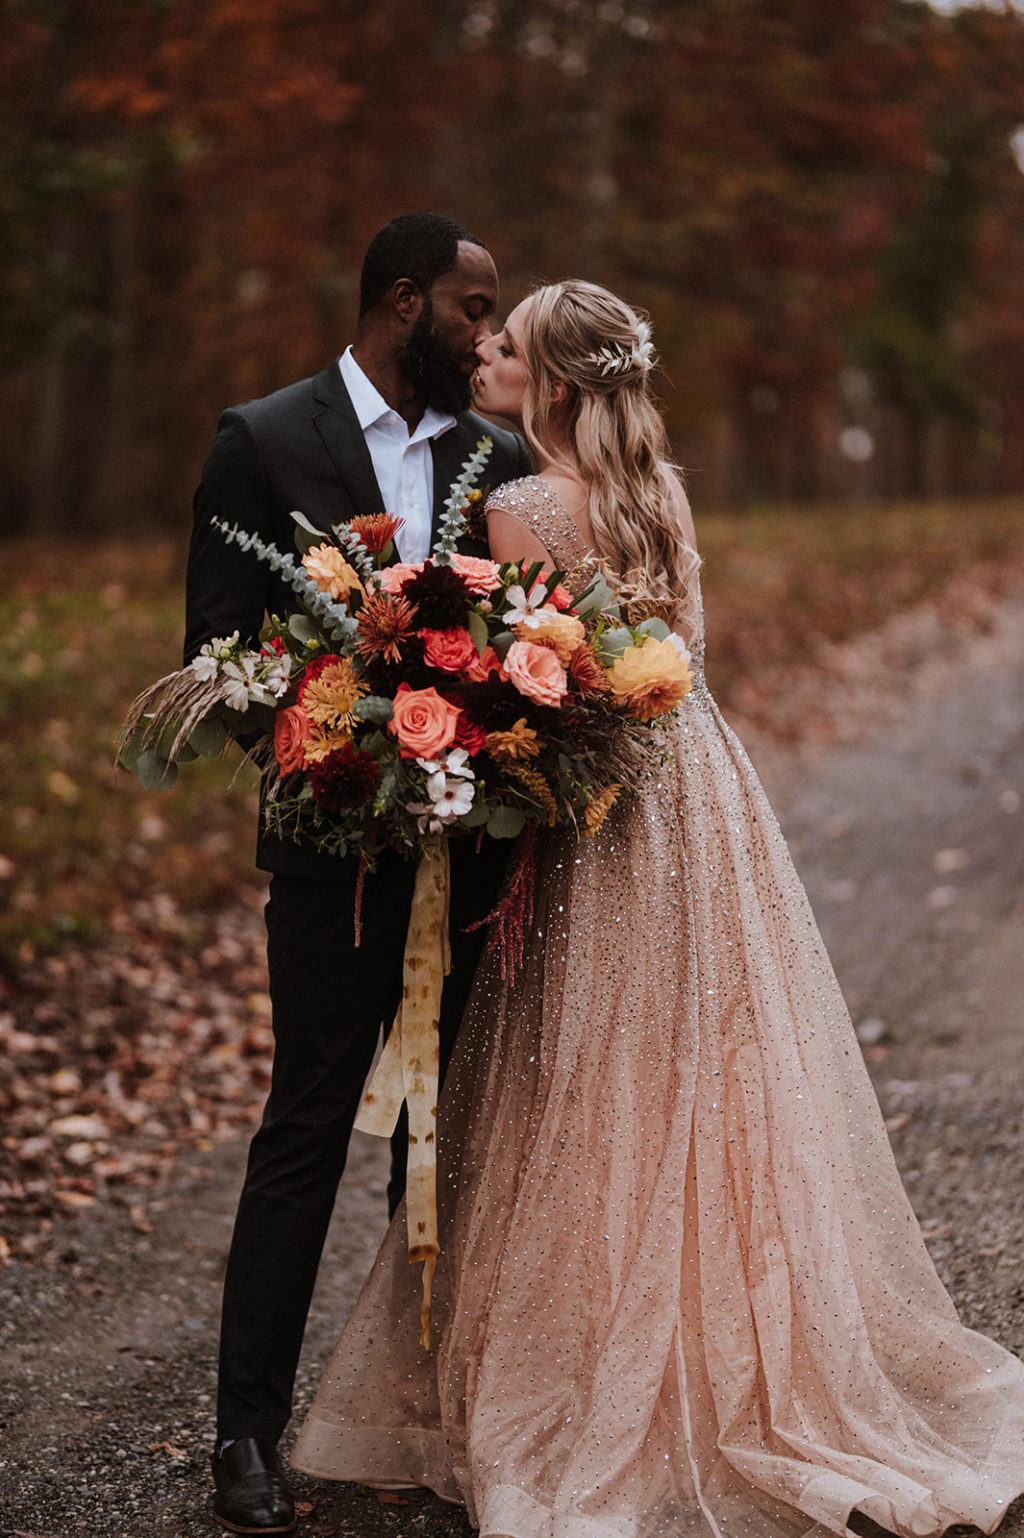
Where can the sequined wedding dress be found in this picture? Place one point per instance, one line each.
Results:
(681, 1288)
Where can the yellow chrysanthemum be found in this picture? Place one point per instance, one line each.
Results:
(651, 678)
(597, 810)
(563, 633)
(331, 572)
(514, 745)
(321, 741)
(329, 697)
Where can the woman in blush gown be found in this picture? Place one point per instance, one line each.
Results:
(681, 1289)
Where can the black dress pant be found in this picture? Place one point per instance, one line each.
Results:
(329, 1001)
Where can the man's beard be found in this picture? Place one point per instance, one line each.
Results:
(432, 368)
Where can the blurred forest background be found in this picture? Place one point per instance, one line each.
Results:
(820, 201)
(821, 204)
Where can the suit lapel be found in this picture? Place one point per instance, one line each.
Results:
(338, 426)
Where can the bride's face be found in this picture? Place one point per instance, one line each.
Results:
(502, 375)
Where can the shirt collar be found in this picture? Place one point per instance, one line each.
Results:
(370, 406)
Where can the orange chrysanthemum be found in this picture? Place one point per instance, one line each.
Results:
(384, 623)
(376, 530)
(331, 572)
(587, 672)
(511, 746)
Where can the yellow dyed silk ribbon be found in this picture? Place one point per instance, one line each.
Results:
(408, 1066)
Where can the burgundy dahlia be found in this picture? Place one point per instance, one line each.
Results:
(441, 597)
(345, 779)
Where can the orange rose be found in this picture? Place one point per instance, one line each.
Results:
(423, 722)
(536, 672)
(481, 668)
(291, 733)
(452, 650)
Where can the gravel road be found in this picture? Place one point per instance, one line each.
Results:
(910, 845)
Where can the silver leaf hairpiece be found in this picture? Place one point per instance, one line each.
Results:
(618, 358)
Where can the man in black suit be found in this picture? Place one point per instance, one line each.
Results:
(384, 428)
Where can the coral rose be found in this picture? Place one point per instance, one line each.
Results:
(562, 632)
(536, 672)
(481, 576)
(481, 668)
(452, 651)
(423, 722)
(652, 678)
(291, 733)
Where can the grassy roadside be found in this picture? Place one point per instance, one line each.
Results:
(83, 629)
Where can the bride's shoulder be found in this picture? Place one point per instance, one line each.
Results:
(520, 496)
(534, 503)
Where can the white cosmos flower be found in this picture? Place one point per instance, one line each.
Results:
(680, 646)
(205, 666)
(455, 761)
(236, 686)
(522, 611)
(275, 679)
(426, 820)
(450, 798)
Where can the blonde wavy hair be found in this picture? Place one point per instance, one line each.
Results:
(585, 337)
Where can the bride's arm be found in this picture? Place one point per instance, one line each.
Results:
(511, 540)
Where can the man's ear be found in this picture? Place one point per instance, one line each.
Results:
(407, 301)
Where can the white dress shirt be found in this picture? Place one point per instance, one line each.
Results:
(402, 460)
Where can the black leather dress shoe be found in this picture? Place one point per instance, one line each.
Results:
(252, 1494)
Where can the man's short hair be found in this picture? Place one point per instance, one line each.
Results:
(417, 246)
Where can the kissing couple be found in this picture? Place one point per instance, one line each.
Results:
(681, 1289)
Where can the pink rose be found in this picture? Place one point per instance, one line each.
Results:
(452, 650)
(392, 577)
(291, 733)
(423, 722)
(536, 672)
(481, 576)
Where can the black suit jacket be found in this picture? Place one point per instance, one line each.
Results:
(300, 450)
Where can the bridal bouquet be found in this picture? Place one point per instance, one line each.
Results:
(401, 702)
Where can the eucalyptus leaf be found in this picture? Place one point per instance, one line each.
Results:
(129, 749)
(209, 737)
(302, 628)
(477, 626)
(596, 599)
(502, 641)
(655, 627)
(506, 822)
(374, 708)
(164, 744)
(306, 534)
(477, 815)
(614, 642)
(154, 772)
